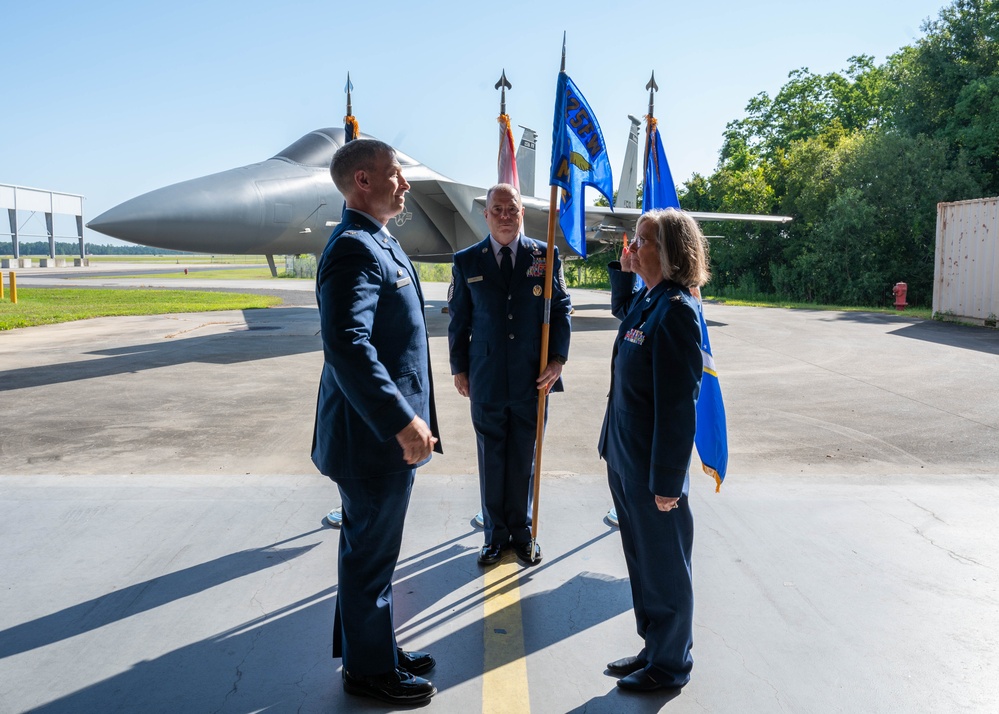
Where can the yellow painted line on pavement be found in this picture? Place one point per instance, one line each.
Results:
(504, 681)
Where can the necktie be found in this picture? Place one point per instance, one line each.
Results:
(506, 264)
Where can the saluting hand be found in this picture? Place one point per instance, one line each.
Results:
(416, 440)
(627, 260)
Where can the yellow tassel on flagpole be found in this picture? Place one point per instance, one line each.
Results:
(711, 472)
(351, 121)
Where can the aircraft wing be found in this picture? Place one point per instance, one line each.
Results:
(604, 226)
(632, 214)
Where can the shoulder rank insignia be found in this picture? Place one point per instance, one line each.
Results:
(676, 298)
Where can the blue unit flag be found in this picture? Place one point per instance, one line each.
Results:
(659, 190)
(711, 437)
(579, 159)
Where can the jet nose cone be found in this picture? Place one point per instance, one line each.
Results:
(188, 215)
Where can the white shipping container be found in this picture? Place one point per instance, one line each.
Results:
(966, 274)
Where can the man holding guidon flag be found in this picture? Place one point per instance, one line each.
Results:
(497, 310)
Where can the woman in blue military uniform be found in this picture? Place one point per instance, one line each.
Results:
(648, 436)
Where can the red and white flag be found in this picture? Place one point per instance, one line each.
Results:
(507, 163)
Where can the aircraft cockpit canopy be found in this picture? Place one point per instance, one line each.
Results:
(317, 148)
(314, 149)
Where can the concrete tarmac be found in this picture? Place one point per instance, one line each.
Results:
(163, 550)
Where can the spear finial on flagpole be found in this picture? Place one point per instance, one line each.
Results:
(503, 84)
(563, 52)
(350, 127)
(650, 120)
(653, 88)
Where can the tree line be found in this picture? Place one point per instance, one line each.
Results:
(41, 247)
(859, 158)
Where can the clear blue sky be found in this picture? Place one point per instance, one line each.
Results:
(111, 99)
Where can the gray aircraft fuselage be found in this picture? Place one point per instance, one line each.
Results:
(288, 204)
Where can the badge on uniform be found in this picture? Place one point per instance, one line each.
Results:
(537, 291)
(537, 269)
(635, 336)
(403, 282)
(475, 279)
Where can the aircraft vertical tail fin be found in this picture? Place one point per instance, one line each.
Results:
(525, 161)
(627, 190)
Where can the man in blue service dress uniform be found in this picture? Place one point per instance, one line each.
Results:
(375, 419)
(496, 305)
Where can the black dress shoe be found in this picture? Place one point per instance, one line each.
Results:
(626, 665)
(523, 552)
(490, 554)
(642, 681)
(416, 662)
(395, 687)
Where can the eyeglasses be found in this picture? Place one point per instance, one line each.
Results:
(639, 241)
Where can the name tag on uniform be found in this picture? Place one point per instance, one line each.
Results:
(404, 282)
(635, 336)
(476, 279)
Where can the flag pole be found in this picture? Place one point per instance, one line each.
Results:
(650, 124)
(539, 438)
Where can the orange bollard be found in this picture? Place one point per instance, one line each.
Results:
(13, 287)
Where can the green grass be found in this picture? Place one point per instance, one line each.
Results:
(193, 259)
(923, 313)
(262, 273)
(46, 306)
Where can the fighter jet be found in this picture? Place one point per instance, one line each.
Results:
(288, 204)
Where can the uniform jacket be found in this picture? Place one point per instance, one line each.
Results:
(495, 332)
(376, 371)
(648, 429)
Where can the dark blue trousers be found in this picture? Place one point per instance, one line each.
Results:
(657, 548)
(374, 512)
(504, 435)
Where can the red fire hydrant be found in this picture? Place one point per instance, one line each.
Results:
(899, 292)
